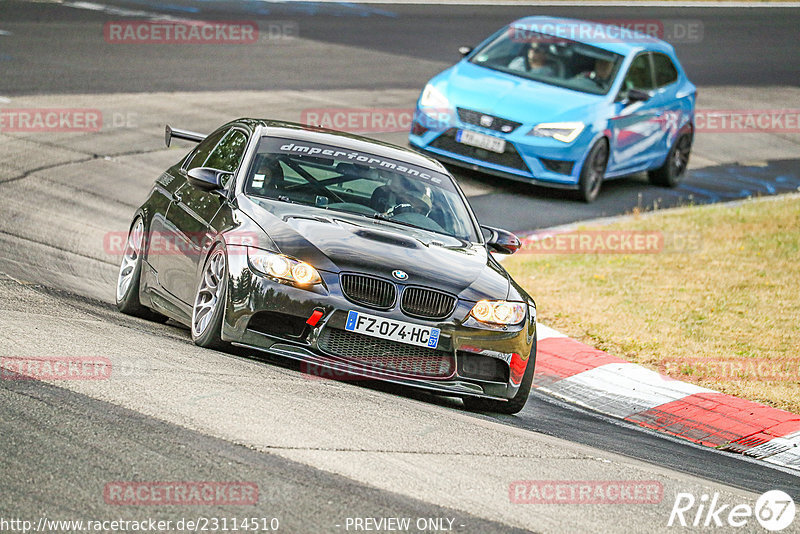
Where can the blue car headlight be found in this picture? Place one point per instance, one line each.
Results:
(565, 132)
(433, 98)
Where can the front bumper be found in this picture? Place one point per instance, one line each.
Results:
(480, 360)
(538, 160)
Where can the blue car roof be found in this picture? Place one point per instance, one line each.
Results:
(627, 42)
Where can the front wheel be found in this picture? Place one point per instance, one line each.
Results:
(674, 168)
(130, 273)
(593, 171)
(514, 404)
(209, 302)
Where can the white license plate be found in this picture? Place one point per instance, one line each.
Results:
(374, 326)
(495, 144)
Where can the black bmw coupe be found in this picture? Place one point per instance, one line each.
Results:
(351, 255)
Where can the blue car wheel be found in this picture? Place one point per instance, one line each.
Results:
(672, 172)
(593, 171)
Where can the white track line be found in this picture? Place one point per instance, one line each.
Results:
(544, 332)
(122, 12)
(623, 389)
(789, 455)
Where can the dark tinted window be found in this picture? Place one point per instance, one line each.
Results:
(200, 153)
(360, 184)
(229, 152)
(639, 75)
(666, 73)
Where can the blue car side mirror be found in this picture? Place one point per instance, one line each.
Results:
(635, 95)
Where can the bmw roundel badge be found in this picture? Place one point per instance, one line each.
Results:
(400, 275)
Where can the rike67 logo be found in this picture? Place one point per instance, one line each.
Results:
(774, 511)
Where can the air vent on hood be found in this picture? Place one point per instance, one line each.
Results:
(388, 238)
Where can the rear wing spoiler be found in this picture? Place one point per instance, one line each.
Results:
(170, 132)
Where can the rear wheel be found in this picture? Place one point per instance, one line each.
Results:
(209, 302)
(674, 169)
(513, 405)
(593, 171)
(130, 272)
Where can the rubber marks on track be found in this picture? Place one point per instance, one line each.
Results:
(597, 380)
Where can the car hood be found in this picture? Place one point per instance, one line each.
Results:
(335, 241)
(478, 88)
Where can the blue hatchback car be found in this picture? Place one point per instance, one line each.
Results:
(561, 103)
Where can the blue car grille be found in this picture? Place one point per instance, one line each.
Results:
(510, 158)
(485, 120)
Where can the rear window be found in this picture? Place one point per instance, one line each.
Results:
(666, 73)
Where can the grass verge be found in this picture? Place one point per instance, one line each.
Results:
(718, 304)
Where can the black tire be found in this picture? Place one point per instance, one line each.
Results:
(593, 171)
(209, 334)
(674, 168)
(517, 402)
(127, 296)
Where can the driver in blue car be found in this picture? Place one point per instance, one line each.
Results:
(533, 60)
(601, 74)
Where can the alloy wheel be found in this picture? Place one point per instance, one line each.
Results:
(208, 293)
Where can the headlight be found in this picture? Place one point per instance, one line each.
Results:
(561, 131)
(433, 98)
(499, 311)
(283, 267)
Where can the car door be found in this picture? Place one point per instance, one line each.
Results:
(191, 211)
(635, 126)
(666, 99)
(162, 233)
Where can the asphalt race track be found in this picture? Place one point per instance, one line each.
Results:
(320, 451)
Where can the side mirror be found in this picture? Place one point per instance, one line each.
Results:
(208, 179)
(501, 241)
(464, 50)
(635, 95)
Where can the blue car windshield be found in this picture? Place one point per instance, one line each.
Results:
(551, 60)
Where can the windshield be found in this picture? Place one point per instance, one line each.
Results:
(551, 60)
(337, 179)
